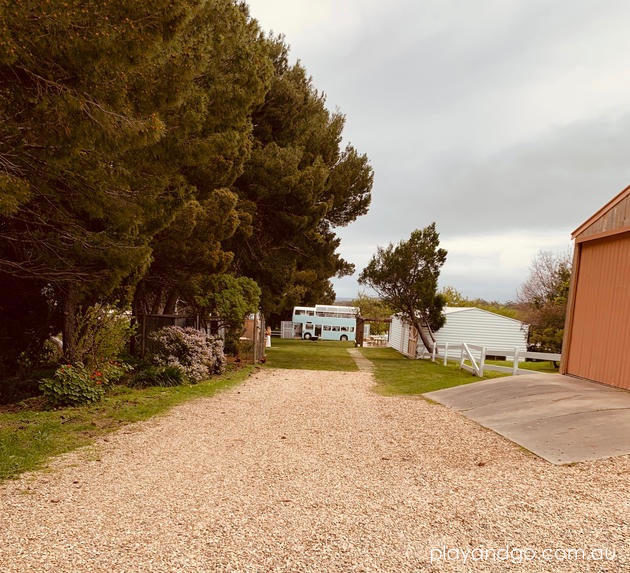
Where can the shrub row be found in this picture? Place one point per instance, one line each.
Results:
(179, 355)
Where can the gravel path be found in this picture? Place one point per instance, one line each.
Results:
(308, 471)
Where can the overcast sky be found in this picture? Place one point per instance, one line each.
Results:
(506, 122)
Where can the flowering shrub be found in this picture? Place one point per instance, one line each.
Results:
(197, 354)
(73, 385)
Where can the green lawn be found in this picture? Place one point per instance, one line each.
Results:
(396, 374)
(537, 366)
(308, 355)
(29, 437)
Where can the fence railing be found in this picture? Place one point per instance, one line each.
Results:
(466, 354)
(472, 357)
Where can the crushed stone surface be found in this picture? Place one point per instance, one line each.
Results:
(297, 470)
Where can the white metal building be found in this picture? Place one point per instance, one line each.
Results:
(464, 324)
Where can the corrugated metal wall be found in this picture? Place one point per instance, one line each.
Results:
(600, 333)
(473, 326)
(399, 335)
(476, 326)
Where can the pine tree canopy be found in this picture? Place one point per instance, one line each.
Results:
(145, 146)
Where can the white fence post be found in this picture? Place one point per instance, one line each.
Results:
(461, 358)
(482, 361)
(515, 366)
(433, 352)
(466, 352)
(445, 353)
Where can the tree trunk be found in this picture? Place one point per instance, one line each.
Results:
(157, 302)
(171, 302)
(426, 340)
(70, 308)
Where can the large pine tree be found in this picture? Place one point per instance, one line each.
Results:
(297, 186)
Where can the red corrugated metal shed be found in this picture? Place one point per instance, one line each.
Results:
(597, 331)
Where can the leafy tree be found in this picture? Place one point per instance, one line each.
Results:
(406, 278)
(373, 307)
(543, 300)
(228, 298)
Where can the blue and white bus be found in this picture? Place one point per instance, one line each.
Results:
(327, 322)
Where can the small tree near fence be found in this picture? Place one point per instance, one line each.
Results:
(406, 278)
(229, 298)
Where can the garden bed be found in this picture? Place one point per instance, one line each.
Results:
(30, 433)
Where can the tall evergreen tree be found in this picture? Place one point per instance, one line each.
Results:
(117, 116)
(207, 144)
(297, 186)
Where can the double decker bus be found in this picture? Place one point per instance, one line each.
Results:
(327, 322)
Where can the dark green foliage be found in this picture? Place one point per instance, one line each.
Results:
(16, 389)
(297, 185)
(28, 317)
(73, 386)
(116, 117)
(229, 298)
(148, 146)
(227, 73)
(163, 376)
(406, 278)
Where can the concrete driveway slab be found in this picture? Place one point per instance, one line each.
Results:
(559, 418)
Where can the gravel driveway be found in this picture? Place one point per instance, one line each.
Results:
(309, 471)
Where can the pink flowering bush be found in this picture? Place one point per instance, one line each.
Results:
(197, 354)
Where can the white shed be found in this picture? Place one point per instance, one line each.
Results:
(465, 324)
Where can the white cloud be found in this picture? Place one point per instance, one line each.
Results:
(485, 266)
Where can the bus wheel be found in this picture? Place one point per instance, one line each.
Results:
(344, 338)
(307, 336)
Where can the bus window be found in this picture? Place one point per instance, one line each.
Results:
(344, 329)
(326, 327)
(310, 312)
(309, 325)
(300, 312)
(335, 329)
(352, 329)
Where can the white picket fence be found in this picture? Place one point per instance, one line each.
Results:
(473, 357)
